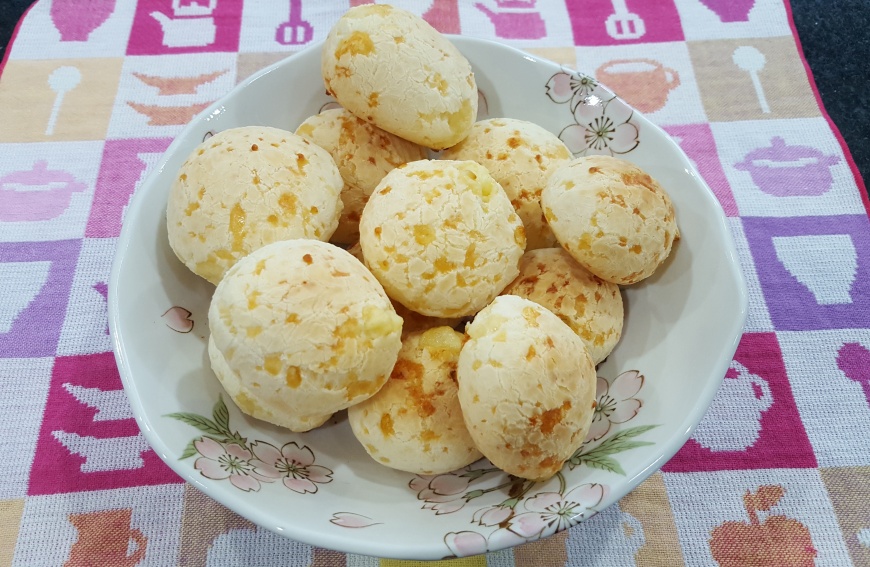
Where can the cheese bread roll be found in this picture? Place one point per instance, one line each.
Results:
(299, 330)
(392, 68)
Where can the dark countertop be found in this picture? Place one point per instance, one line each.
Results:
(836, 43)
(835, 39)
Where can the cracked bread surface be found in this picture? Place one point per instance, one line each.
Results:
(300, 329)
(247, 187)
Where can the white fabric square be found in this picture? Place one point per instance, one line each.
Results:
(282, 25)
(829, 373)
(711, 509)
(545, 23)
(786, 168)
(758, 317)
(24, 386)
(85, 327)
(257, 546)
(105, 527)
(55, 30)
(160, 94)
(718, 19)
(46, 189)
(21, 282)
(657, 79)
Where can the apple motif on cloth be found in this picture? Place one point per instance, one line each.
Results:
(178, 319)
(778, 540)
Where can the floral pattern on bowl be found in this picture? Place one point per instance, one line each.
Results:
(351, 520)
(331, 493)
(603, 124)
(525, 515)
(225, 454)
(522, 516)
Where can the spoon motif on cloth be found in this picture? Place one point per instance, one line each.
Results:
(752, 61)
(62, 80)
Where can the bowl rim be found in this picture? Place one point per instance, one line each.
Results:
(394, 548)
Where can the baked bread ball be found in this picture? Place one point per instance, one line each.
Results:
(521, 156)
(589, 305)
(363, 153)
(244, 188)
(392, 68)
(611, 216)
(412, 321)
(299, 330)
(526, 387)
(442, 237)
(414, 423)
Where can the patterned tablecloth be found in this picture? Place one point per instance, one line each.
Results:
(92, 93)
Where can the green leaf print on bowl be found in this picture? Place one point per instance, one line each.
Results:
(225, 454)
(599, 457)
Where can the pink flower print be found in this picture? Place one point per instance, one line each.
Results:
(443, 493)
(615, 403)
(493, 515)
(603, 123)
(233, 461)
(351, 520)
(292, 463)
(465, 543)
(602, 127)
(551, 512)
(574, 87)
(548, 512)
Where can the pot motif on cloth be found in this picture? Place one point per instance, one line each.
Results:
(37, 194)
(784, 170)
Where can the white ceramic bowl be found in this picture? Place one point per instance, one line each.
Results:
(681, 330)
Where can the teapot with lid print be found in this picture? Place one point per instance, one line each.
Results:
(784, 170)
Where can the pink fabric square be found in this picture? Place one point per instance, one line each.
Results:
(754, 422)
(121, 172)
(698, 143)
(89, 439)
(621, 22)
(185, 26)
